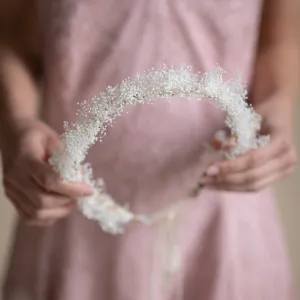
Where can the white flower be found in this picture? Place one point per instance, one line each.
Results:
(155, 84)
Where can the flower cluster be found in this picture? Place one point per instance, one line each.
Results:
(162, 83)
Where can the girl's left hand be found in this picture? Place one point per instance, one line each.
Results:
(260, 167)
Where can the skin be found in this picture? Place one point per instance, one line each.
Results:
(37, 192)
(273, 93)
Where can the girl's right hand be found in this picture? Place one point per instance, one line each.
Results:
(36, 191)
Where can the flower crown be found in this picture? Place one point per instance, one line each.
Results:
(162, 83)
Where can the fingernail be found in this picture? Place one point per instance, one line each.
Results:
(212, 171)
(87, 191)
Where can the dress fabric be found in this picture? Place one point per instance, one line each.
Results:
(231, 244)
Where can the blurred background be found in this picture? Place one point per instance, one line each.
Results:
(288, 202)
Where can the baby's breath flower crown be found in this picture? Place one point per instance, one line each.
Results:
(165, 82)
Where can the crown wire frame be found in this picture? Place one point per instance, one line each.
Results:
(163, 83)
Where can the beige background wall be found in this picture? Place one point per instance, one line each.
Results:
(289, 204)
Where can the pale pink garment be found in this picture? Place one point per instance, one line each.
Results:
(231, 244)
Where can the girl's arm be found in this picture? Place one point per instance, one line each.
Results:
(277, 62)
(19, 93)
(274, 88)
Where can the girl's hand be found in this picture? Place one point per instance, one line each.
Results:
(36, 191)
(261, 167)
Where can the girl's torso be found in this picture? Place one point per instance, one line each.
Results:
(153, 152)
(231, 245)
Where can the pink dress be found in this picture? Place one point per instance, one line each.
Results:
(231, 243)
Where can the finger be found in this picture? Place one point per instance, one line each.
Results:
(12, 185)
(248, 161)
(23, 213)
(257, 185)
(51, 200)
(54, 144)
(50, 181)
(36, 197)
(254, 187)
(222, 141)
(271, 179)
(24, 208)
(251, 176)
(51, 214)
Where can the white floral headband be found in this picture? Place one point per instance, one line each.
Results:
(165, 82)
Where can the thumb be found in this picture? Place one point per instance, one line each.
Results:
(45, 141)
(222, 140)
(53, 144)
